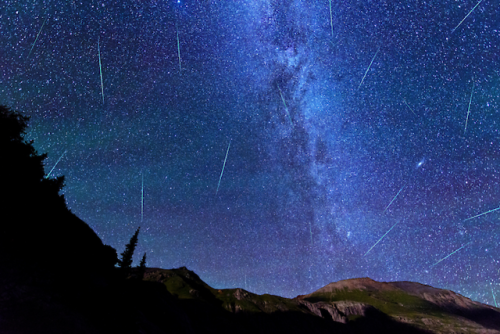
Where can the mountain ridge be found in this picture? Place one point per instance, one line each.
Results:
(423, 291)
(355, 304)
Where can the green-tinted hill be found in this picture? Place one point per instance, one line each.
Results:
(350, 306)
(422, 306)
(236, 310)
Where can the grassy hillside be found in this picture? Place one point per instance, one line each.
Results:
(407, 307)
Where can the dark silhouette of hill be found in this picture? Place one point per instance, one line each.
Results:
(56, 276)
(37, 227)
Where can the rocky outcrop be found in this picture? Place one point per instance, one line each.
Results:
(338, 311)
(352, 308)
(240, 294)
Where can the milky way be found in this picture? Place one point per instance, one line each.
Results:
(345, 121)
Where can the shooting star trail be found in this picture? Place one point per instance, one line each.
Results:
(444, 258)
(178, 47)
(331, 17)
(466, 16)
(100, 69)
(36, 39)
(484, 213)
(142, 199)
(47, 176)
(284, 103)
(468, 109)
(494, 299)
(310, 232)
(410, 108)
(369, 67)
(223, 166)
(393, 199)
(381, 238)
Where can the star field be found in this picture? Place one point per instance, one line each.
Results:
(382, 118)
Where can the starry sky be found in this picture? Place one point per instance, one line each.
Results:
(272, 145)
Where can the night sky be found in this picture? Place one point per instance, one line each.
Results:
(333, 123)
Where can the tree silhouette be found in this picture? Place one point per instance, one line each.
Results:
(37, 228)
(141, 270)
(22, 166)
(26, 196)
(125, 263)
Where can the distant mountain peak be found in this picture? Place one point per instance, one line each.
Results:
(418, 304)
(440, 297)
(364, 283)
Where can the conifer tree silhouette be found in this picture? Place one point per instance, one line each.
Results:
(142, 268)
(125, 263)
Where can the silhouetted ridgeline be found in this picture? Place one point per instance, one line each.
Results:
(37, 227)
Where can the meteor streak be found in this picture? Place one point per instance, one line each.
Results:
(142, 199)
(178, 47)
(468, 109)
(483, 213)
(310, 232)
(466, 16)
(284, 103)
(47, 176)
(368, 68)
(381, 238)
(393, 199)
(410, 108)
(36, 39)
(223, 166)
(331, 17)
(444, 258)
(494, 299)
(100, 69)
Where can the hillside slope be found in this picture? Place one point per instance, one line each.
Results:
(422, 306)
(349, 306)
